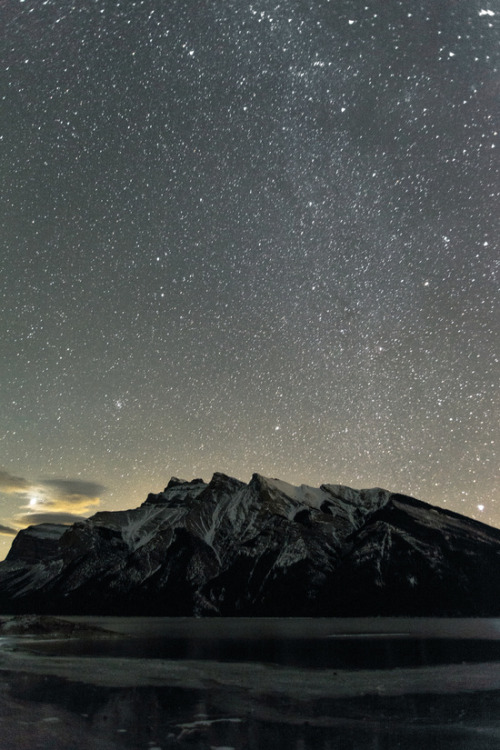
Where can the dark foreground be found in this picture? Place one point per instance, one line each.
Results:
(253, 684)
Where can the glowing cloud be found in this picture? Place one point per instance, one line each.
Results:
(50, 500)
(69, 495)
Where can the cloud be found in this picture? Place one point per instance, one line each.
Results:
(7, 530)
(63, 501)
(69, 495)
(29, 519)
(9, 483)
(70, 487)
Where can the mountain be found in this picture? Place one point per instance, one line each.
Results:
(265, 548)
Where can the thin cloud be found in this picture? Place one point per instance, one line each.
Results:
(69, 488)
(69, 495)
(9, 483)
(31, 519)
(7, 530)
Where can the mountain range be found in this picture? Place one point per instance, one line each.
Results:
(266, 548)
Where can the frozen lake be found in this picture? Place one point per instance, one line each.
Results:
(255, 683)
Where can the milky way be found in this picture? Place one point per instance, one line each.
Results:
(248, 237)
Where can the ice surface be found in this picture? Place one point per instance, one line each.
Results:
(128, 702)
(297, 683)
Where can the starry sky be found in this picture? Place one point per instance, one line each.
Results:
(248, 236)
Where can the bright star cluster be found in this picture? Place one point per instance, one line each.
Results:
(248, 237)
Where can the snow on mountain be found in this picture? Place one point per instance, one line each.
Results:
(262, 548)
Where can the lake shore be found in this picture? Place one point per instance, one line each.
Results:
(113, 702)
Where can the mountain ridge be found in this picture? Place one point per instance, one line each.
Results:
(265, 548)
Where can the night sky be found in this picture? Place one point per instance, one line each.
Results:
(248, 236)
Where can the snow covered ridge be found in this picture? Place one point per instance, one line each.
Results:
(265, 548)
